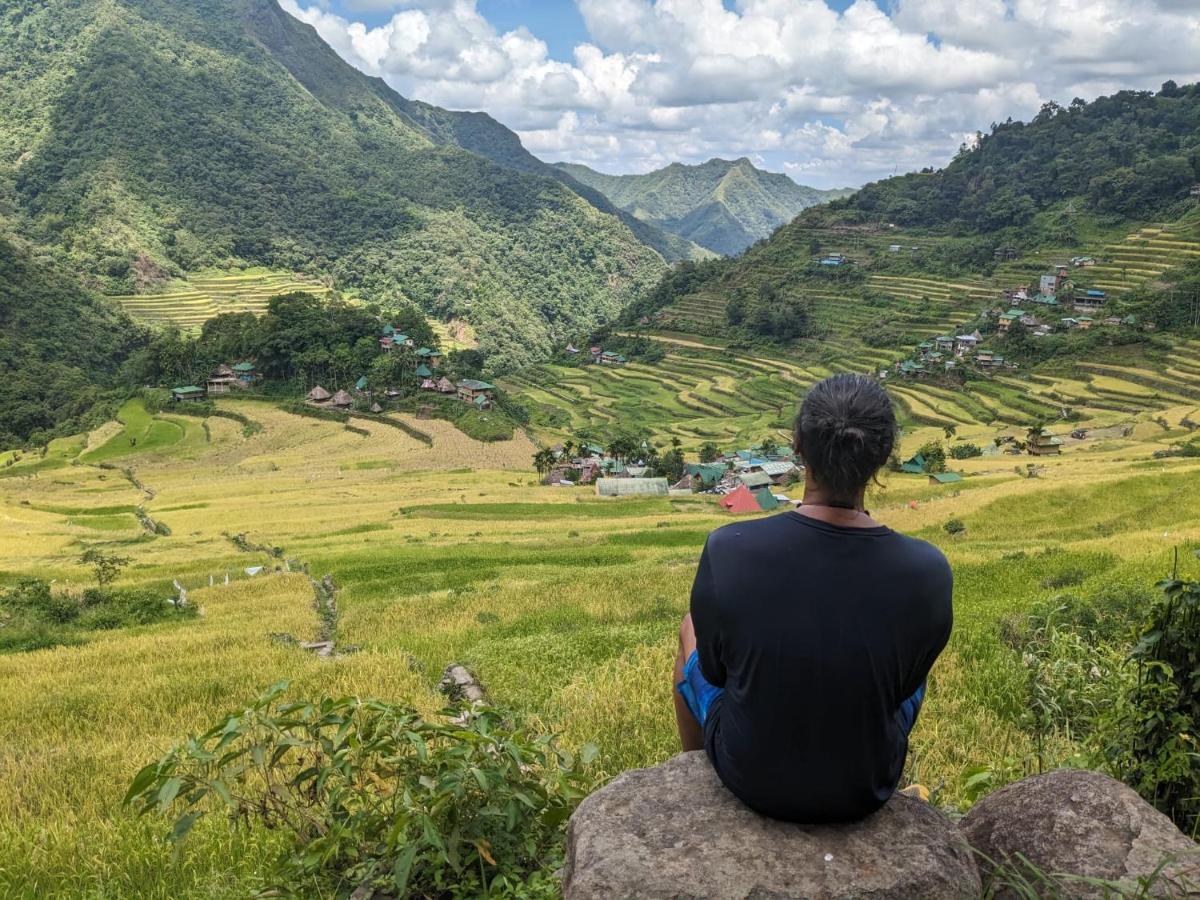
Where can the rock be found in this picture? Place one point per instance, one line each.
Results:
(459, 684)
(1084, 824)
(323, 649)
(674, 831)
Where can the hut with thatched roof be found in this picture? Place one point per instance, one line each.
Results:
(341, 400)
(318, 396)
(376, 408)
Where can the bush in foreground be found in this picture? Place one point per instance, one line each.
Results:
(373, 795)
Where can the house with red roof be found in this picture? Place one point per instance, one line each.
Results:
(741, 501)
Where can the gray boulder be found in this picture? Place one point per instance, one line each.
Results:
(674, 831)
(1079, 823)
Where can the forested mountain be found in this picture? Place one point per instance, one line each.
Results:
(722, 205)
(60, 347)
(145, 138)
(1072, 176)
(1132, 155)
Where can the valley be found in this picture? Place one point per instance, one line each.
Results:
(314, 390)
(564, 604)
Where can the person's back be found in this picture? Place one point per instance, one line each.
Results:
(814, 631)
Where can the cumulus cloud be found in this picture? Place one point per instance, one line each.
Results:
(832, 98)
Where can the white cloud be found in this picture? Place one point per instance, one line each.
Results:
(832, 98)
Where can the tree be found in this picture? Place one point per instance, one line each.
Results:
(106, 567)
(949, 431)
(543, 461)
(769, 446)
(935, 456)
(709, 452)
(622, 448)
(671, 465)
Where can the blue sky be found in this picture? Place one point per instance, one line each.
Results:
(832, 92)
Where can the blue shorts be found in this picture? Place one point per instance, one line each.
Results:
(700, 696)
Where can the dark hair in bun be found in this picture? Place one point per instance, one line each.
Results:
(845, 432)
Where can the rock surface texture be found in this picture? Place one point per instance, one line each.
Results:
(1084, 824)
(675, 832)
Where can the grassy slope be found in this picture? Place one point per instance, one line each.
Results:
(566, 606)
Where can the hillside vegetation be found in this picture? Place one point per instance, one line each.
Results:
(60, 348)
(722, 205)
(1133, 155)
(142, 140)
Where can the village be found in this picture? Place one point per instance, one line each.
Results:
(747, 481)
(1038, 312)
(363, 396)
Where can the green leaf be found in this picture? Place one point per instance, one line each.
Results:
(221, 789)
(141, 781)
(402, 869)
(183, 825)
(168, 792)
(480, 778)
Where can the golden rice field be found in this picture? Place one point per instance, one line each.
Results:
(564, 604)
(190, 303)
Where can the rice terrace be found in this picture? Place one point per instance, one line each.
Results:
(387, 497)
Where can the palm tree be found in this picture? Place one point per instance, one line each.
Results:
(543, 461)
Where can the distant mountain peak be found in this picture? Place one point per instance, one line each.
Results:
(724, 205)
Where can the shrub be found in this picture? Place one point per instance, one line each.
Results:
(955, 526)
(1151, 742)
(935, 456)
(965, 451)
(372, 795)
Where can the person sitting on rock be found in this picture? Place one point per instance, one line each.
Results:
(803, 661)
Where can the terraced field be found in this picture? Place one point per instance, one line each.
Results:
(566, 605)
(1144, 255)
(700, 392)
(190, 304)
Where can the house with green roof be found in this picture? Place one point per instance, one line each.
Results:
(915, 466)
(423, 371)
(1045, 443)
(1007, 319)
(189, 393)
(469, 389)
(608, 358)
(433, 357)
(756, 480)
(361, 384)
(246, 373)
(766, 500)
(944, 478)
(707, 474)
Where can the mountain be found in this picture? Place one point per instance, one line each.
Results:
(723, 205)
(1134, 155)
(142, 139)
(1081, 180)
(60, 348)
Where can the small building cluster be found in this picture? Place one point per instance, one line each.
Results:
(224, 380)
(602, 357)
(427, 361)
(746, 480)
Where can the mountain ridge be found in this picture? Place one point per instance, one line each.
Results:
(146, 139)
(723, 205)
